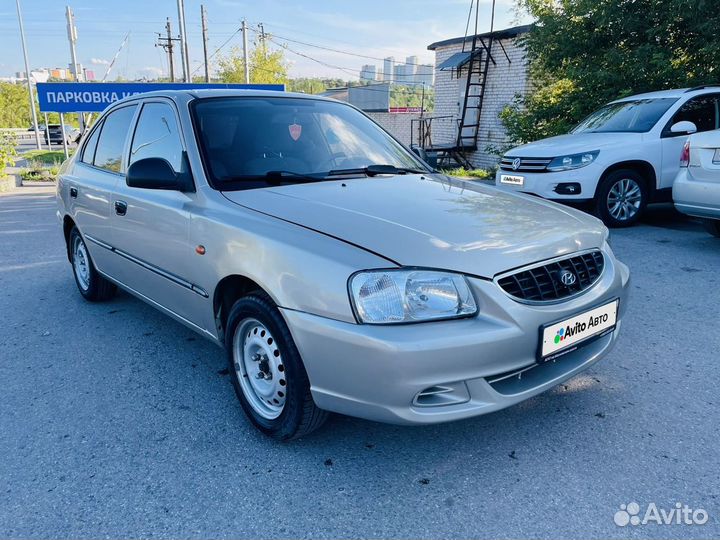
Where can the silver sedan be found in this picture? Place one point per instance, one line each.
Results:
(696, 190)
(335, 268)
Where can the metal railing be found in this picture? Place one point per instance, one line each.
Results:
(434, 131)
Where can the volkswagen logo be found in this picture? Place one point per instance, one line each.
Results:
(567, 278)
(516, 163)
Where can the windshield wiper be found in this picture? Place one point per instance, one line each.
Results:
(275, 177)
(375, 170)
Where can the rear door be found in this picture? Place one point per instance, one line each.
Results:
(92, 181)
(151, 226)
(703, 111)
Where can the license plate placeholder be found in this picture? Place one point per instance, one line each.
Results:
(568, 335)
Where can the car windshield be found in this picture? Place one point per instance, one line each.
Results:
(250, 142)
(637, 116)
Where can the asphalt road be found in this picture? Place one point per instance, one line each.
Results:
(118, 422)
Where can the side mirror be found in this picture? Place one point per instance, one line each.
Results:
(157, 173)
(683, 128)
(419, 152)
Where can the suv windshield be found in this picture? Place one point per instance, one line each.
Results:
(637, 116)
(250, 142)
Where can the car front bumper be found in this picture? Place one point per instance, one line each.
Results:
(696, 197)
(476, 365)
(544, 184)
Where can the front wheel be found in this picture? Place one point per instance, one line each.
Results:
(713, 226)
(621, 198)
(267, 372)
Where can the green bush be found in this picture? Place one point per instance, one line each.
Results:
(7, 151)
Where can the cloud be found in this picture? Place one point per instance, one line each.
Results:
(150, 71)
(100, 61)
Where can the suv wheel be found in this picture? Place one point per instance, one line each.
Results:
(713, 226)
(267, 372)
(90, 283)
(621, 198)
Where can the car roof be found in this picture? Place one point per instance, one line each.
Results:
(220, 92)
(677, 93)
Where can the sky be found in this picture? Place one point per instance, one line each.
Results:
(376, 28)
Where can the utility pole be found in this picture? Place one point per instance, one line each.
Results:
(77, 73)
(183, 41)
(167, 44)
(27, 75)
(203, 18)
(245, 51)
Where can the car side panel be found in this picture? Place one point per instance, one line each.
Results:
(90, 208)
(300, 269)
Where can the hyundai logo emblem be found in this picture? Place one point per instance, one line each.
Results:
(516, 163)
(567, 278)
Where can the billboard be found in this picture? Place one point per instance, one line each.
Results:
(96, 97)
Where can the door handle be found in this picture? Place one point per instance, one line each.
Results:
(73, 192)
(120, 208)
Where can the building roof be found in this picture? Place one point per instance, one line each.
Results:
(507, 33)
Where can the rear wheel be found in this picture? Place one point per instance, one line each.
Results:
(621, 198)
(713, 226)
(267, 372)
(90, 283)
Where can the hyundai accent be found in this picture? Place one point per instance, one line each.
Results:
(337, 270)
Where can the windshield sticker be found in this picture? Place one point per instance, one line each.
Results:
(295, 131)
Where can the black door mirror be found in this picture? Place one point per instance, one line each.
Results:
(157, 173)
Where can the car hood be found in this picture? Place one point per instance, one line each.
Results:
(573, 143)
(433, 222)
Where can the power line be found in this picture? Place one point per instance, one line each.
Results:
(331, 49)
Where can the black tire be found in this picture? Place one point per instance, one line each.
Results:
(299, 415)
(713, 226)
(92, 285)
(612, 208)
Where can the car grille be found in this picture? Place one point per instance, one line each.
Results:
(526, 164)
(543, 284)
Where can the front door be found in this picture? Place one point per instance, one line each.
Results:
(151, 226)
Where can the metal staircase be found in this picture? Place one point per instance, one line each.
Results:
(473, 64)
(471, 112)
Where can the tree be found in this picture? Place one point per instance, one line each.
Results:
(266, 66)
(584, 53)
(14, 106)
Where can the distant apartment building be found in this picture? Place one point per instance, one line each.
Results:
(424, 74)
(368, 73)
(388, 69)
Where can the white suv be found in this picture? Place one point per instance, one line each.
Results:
(620, 158)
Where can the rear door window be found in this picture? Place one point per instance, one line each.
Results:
(112, 139)
(88, 154)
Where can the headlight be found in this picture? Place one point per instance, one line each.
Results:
(573, 161)
(403, 296)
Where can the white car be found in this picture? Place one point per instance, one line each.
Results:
(696, 190)
(619, 158)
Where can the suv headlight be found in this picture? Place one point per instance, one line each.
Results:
(572, 161)
(404, 296)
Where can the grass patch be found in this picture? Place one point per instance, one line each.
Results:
(46, 157)
(481, 174)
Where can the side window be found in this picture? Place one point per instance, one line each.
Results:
(157, 135)
(89, 151)
(701, 111)
(112, 139)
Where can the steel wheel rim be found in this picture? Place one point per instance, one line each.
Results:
(624, 199)
(81, 263)
(259, 368)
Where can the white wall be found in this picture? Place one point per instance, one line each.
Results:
(398, 124)
(505, 80)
